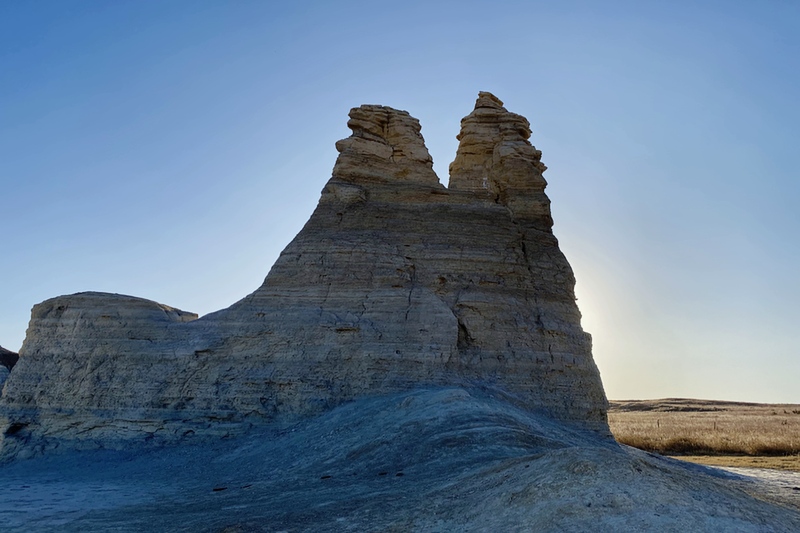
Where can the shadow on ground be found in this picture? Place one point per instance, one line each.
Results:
(430, 460)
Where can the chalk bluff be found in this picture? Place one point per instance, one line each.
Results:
(414, 361)
(395, 283)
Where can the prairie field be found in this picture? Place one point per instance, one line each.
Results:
(711, 432)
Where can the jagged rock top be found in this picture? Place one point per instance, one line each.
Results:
(386, 145)
(494, 157)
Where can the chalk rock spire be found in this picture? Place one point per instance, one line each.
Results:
(8, 358)
(496, 160)
(386, 145)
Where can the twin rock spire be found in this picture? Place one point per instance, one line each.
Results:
(495, 161)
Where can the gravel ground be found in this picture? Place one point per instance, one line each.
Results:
(780, 486)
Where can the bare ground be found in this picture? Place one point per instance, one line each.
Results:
(434, 460)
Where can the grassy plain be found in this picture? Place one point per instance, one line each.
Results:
(711, 432)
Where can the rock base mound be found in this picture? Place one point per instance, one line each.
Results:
(442, 459)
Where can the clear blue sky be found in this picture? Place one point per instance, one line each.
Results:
(170, 150)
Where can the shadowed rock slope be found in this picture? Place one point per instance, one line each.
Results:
(395, 282)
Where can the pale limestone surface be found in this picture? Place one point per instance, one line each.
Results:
(395, 282)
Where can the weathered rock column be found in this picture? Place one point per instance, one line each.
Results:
(496, 160)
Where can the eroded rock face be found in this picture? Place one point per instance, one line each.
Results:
(395, 283)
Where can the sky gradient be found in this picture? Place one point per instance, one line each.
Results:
(171, 150)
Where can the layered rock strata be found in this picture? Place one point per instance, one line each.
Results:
(395, 283)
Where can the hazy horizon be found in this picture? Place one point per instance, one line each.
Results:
(171, 151)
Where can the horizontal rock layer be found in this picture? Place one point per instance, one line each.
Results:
(395, 282)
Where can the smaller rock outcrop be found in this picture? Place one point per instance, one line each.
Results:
(7, 361)
(385, 147)
(8, 358)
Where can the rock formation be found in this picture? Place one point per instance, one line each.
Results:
(395, 283)
(8, 358)
(414, 361)
(7, 361)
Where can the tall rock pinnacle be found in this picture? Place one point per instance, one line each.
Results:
(386, 145)
(495, 158)
(414, 360)
(395, 283)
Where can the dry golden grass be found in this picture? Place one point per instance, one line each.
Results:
(701, 427)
